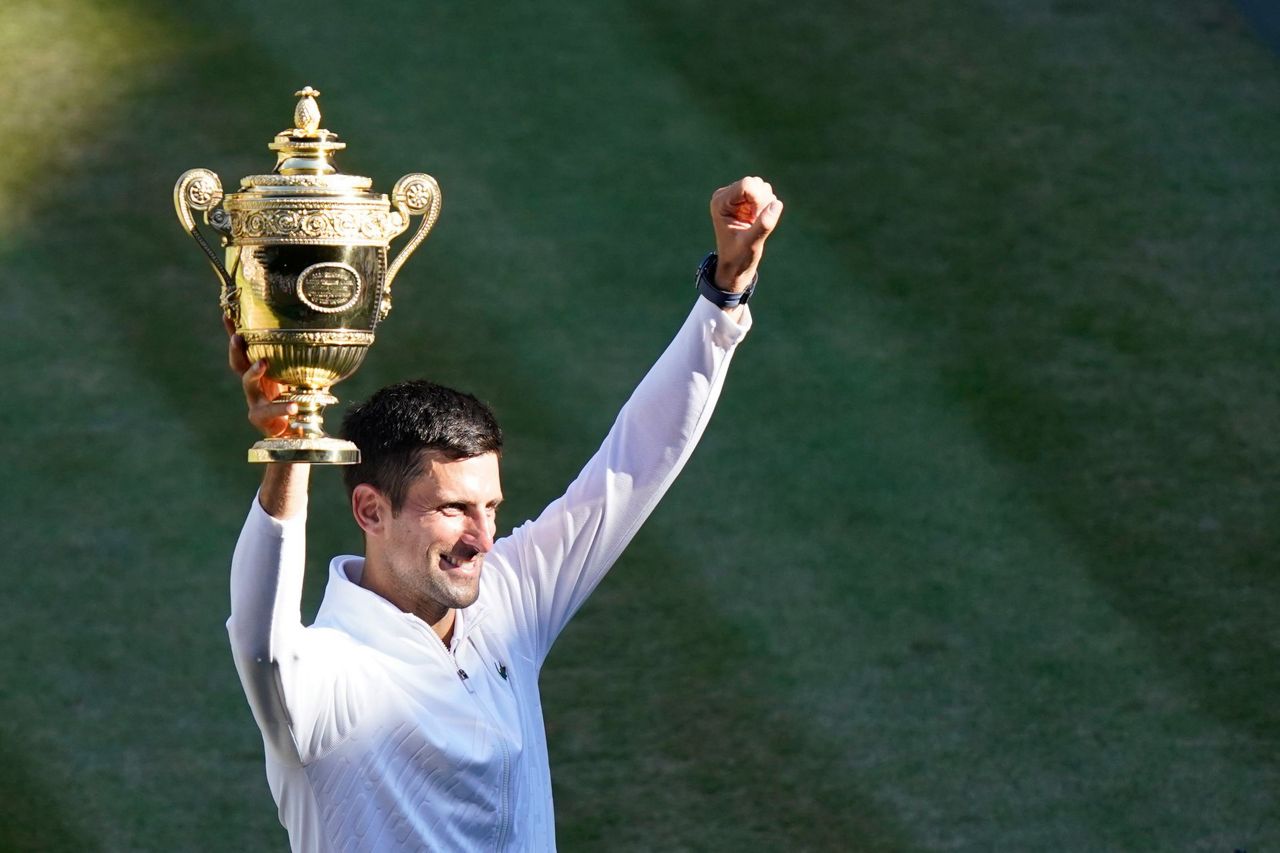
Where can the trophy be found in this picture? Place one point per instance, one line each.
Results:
(305, 279)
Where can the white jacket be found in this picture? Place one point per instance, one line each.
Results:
(378, 737)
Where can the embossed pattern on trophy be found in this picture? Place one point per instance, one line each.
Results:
(306, 279)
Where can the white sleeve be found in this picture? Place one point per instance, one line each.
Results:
(550, 565)
(297, 680)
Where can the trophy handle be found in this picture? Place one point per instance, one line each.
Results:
(413, 195)
(200, 189)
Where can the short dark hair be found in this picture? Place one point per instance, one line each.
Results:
(397, 425)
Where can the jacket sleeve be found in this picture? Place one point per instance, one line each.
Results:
(548, 567)
(298, 680)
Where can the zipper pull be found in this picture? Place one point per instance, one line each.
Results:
(462, 674)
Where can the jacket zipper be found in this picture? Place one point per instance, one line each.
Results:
(504, 811)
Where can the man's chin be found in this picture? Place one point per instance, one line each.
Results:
(467, 597)
(463, 594)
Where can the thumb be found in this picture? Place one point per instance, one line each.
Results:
(767, 220)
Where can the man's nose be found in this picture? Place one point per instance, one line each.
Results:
(480, 531)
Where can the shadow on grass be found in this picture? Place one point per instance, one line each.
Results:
(152, 290)
(1021, 228)
(668, 730)
(1069, 228)
(1265, 18)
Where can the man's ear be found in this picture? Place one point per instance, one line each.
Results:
(370, 508)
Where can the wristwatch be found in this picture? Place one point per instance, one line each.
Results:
(706, 284)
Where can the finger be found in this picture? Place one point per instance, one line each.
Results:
(251, 379)
(272, 418)
(756, 188)
(270, 411)
(237, 355)
(767, 220)
(725, 199)
(237, 349)
(275, 428)
(746, 200)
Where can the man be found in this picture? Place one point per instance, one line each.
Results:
(407, 717)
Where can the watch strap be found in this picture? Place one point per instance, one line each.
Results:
(706, 284)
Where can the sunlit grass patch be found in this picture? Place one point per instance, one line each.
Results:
(65, 65)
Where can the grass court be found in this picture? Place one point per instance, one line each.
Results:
(980, 551)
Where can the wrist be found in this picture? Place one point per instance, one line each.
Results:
(732, 280)
(723, 288)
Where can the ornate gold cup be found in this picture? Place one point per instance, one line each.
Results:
(306, 279)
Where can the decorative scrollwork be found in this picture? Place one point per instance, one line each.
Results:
(415, 194)
(200, 189)
(418, 195)
(300, 223)
(315, 337)
(323, 182)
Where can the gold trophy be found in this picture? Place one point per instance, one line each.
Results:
(306, 279)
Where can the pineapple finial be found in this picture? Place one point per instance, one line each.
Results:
(306, 116)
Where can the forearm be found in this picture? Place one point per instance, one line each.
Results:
(284, 490)
(266, 591)
(664, 418)
(568, 549)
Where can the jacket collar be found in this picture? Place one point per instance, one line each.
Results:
(374, 621)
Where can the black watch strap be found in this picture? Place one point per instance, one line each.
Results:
(706, 283)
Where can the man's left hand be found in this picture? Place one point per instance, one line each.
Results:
(743, 215)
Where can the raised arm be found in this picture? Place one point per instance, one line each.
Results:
(267, 570)
(548, 567)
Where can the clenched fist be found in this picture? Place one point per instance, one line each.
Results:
(743, 215)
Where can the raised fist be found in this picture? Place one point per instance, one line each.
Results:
(743, 214)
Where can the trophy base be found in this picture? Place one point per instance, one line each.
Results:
(309, 451)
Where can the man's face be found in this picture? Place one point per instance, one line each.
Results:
(432, 550)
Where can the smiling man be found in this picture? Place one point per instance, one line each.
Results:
(408, 716)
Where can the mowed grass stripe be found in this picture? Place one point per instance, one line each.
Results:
(898, 127)
(107, 721)
(126, 726)
(689, 705)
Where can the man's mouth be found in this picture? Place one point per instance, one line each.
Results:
(457, 561)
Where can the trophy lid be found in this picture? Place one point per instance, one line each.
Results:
(306, 148)
(304, 158)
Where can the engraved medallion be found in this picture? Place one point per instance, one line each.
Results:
(329, 287)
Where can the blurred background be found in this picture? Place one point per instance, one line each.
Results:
(980, 549)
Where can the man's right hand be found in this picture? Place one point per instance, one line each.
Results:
(268, 417)
(284, 485)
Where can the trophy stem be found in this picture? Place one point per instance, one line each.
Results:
(309, 421)
(308, 444)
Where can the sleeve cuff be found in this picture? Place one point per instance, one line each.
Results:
(269, 524)
(725, 331)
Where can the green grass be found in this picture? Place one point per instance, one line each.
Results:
(979, 551)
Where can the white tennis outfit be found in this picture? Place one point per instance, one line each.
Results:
(377, 736)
